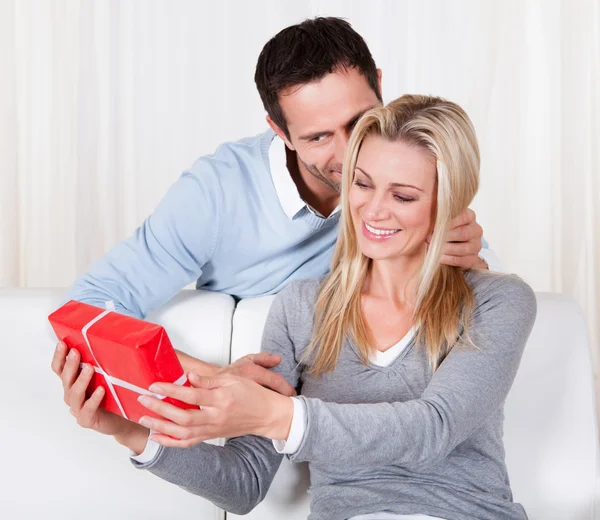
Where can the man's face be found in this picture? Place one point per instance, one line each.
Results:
(320, 117)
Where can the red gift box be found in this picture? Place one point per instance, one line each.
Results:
(127, 355)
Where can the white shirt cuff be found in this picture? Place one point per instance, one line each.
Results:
(149, 453)
(492, 260)
(297, 430)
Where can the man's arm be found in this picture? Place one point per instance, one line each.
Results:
(165, 253)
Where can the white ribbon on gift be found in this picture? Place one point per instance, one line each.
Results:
(112, 381)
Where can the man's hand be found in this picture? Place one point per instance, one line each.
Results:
(463, 242)
(253, 366)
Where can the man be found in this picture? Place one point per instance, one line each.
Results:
(262, 211)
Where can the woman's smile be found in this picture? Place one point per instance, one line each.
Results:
(378, 234)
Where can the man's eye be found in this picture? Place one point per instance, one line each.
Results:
(318, 138)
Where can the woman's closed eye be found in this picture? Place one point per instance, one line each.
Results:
(399, 198)
(402, 198)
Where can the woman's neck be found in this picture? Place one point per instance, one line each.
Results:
(394, 279)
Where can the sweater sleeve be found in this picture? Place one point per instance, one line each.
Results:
(236, 476)
(468, 387)
(164, 254)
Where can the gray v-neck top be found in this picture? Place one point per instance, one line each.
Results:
(391, 438)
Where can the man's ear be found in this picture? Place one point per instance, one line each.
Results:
(379, 76)
(280, 133)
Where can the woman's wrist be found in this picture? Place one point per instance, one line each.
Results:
(279, 420)
(135, 437)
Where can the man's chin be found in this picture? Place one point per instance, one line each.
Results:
(335, 181)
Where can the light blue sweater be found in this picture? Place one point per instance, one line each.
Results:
(221, 224)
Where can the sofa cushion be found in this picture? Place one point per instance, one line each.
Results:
(287, 497)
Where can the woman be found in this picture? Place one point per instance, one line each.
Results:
(406, 368)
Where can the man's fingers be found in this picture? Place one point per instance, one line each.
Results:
(464, 233)
(464, 262)
(59, 358)
(451, 260)
(470, 248)
(264, 359)
(463, 219)
(274, 381)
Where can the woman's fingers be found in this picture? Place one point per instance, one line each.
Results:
(69, 373)
(170, 428)
(187, 394)
(88, 413)
(78, 389)
(59, 358)
(171, 412)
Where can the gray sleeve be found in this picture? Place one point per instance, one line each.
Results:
(236, 476)
(468, 387)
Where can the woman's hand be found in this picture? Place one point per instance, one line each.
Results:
(231, 406)
(86, 410)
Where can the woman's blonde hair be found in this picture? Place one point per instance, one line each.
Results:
(444, 300)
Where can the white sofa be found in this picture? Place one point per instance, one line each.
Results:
(51, 468)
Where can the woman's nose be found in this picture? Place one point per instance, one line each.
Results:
(376, 208)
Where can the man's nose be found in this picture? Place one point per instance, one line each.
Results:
(341, 144)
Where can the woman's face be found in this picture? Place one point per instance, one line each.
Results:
(392, 198)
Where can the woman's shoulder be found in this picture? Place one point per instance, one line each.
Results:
(492, 288)
(302, 294)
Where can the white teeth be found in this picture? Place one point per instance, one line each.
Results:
(381, 231)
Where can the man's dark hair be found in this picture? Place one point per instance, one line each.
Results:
(306, 52)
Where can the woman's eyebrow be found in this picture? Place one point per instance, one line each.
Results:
(392, 184)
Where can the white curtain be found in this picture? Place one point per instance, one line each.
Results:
(104, 103)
